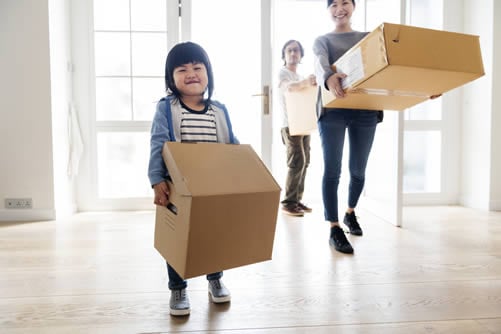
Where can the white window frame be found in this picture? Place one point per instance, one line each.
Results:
(85, 103)
(448, 127)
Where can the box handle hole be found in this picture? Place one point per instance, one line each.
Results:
(172, 208)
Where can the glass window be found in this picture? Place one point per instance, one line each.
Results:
(112, 53)
(123, 164)
(113, 99)
(311, 19)
(130, 49)
(422, 162)
(428, 110)
(423, 148)
(235, 54)
(382, 11)
(148, 15)
(146, 93)
(426, 13)
(111, 15)
(148, 54)
(130, 46)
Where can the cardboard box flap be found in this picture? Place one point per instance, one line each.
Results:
(174, 173)
(364, 59)
(216, 169)
(427, 48)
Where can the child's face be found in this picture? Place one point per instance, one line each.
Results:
(191, 79)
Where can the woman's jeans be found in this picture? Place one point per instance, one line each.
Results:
(298, 159)
(332, 126)
(177, 283)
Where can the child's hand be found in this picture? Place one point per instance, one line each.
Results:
(162, 192)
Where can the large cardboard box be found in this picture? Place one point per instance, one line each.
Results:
(397, 66)
(223, 212)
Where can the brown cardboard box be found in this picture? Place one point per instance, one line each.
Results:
(397, 66)
(225, 206)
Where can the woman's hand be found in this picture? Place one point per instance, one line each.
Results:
(162, 193)
(334, 84)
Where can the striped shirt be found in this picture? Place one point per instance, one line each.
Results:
(198, 126)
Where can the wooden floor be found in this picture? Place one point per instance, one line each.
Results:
(99, 273)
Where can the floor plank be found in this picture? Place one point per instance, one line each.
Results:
(99, 273)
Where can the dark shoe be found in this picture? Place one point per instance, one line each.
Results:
(339, 241)
(292, 209)
(218, 292)
(179, 302)
(350, 220)
(304, 207)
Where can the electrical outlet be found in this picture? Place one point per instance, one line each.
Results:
(18, 203)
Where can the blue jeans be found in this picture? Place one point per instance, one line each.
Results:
(176, 282)
(332, 126)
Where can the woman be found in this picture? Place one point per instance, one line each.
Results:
(334, 122)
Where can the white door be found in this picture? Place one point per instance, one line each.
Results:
(236, 35)
(302, 21)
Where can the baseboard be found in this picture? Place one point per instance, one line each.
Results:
(26, 215)
(495, 206)
(472, 203)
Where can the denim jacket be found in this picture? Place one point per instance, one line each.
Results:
(166, 126)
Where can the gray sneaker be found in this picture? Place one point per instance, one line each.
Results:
(218, 292)
(179, 302)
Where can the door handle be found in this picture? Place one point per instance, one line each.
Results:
(265, 99)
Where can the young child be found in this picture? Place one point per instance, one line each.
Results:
(187, 114)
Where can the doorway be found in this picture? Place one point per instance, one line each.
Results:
(244, 48)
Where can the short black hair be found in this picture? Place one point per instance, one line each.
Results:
(290, 41)
(329, 2)
(186, 53)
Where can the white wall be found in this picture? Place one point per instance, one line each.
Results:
(477, 112)
(25, 109)
(35, 95)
